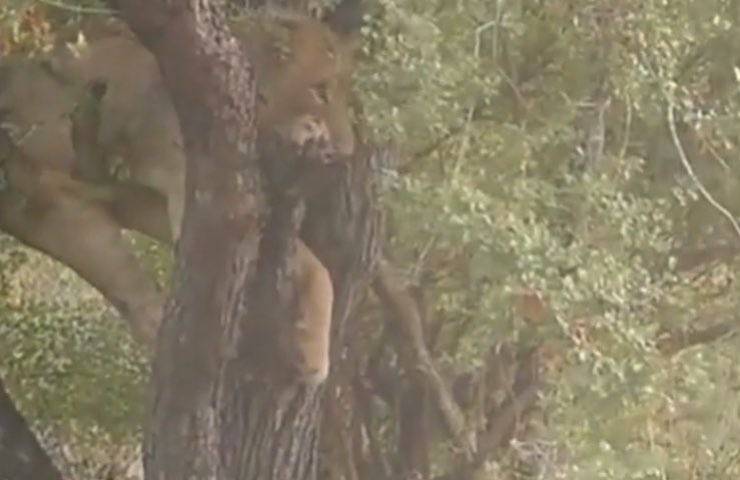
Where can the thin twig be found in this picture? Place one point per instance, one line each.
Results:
(514, 88)
(469, 116)
(716, 155)
(627, 129)
(78, 9)
(431, 148)
(690, 170)
(674, 342)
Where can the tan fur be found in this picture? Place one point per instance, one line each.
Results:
(303, 74)
(312, 330)
(67, 220)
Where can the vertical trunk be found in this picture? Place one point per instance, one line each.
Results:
(220, 411)
(21, 456)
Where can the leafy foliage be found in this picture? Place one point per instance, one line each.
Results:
(68, 361)
(540, 163)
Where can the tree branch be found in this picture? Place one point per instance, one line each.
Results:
(689, 259)
(692, 174)
(671, 343)
(405, 315)
(502, 421)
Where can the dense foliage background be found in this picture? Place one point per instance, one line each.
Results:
(567, 199)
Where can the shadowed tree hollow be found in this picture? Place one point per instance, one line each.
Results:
(222, 409)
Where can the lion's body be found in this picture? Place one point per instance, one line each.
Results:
(303, 76)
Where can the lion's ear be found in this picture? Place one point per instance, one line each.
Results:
(272, 23)
(346, 19)
(266, 35)
(288, 22)
(281, 22)
(279, 27)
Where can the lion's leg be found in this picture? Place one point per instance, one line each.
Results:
(312, 330)
(80, 234)
(140, 208)
(157, 162)
(169, 185)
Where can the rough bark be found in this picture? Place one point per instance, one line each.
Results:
(344, 226)
(220, 408)
(21, 456)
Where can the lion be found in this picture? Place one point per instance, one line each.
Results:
(74, 212)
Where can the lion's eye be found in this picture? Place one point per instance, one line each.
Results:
(321, 92)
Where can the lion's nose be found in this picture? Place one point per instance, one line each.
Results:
(313, 128)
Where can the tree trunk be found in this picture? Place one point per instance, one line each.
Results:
(220, 409)
(21, 456)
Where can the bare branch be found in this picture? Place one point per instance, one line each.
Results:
(627, 129)
(689, 259)
(508, 416)
(692, 174)
(78, 8)
(405, 313)
(502, 420)
(671, 343)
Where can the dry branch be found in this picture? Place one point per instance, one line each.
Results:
(503, 421)
(405, 314)
(671, 343)
(692, 174)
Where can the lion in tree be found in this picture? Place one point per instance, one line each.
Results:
(72, 205)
